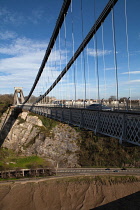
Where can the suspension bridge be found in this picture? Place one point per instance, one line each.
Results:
(81, 68)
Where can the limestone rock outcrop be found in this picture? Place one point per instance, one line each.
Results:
(29, 136)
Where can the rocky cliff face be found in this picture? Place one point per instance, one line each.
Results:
(69, 195)
(29, 136)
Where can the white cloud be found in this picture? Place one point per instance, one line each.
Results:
(26, 55)
(17, 18)
(111, 68)
(7, 35)
(133, 81)
(11, 17)
(22, 46)
(131, 72)
(36, 16)
(92, 52)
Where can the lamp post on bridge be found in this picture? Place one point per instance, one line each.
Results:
(127, 103)
(102, 101)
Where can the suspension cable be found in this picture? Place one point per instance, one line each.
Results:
(55, 51)
(82, 80)
(104, 66)
(50, 74)
(96, 53)
(83, 52)
(74, 73)
(88, 73)
(51, 64)
(60, 64)
(67, 76)
(95, 73)
(58, 25)
(127, 47)
(89, 36)
(115, 57)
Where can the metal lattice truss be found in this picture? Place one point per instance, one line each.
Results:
(120, 125)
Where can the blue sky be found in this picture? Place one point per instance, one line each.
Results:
(25, 30)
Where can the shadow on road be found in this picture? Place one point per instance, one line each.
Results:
(9, 120)
(130, 202)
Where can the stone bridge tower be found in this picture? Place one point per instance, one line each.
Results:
(20, 99)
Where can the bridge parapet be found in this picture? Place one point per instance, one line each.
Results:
(124, 126)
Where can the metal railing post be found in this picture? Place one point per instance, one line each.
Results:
(62, 117)
(82, 119)
(123, 136)
(70, 116)
(98, 123)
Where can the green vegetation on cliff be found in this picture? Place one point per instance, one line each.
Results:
(10, 160)
(5, 101)
(48, 123)
(105, 152)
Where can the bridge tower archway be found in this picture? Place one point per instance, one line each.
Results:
(18, 96)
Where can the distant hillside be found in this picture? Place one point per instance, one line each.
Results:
(5, 101)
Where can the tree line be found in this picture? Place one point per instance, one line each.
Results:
(6, 100)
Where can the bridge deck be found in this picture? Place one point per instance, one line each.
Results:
(124, 126)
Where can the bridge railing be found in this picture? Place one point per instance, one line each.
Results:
(124, 126)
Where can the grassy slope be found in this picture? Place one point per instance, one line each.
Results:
(10, 160)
